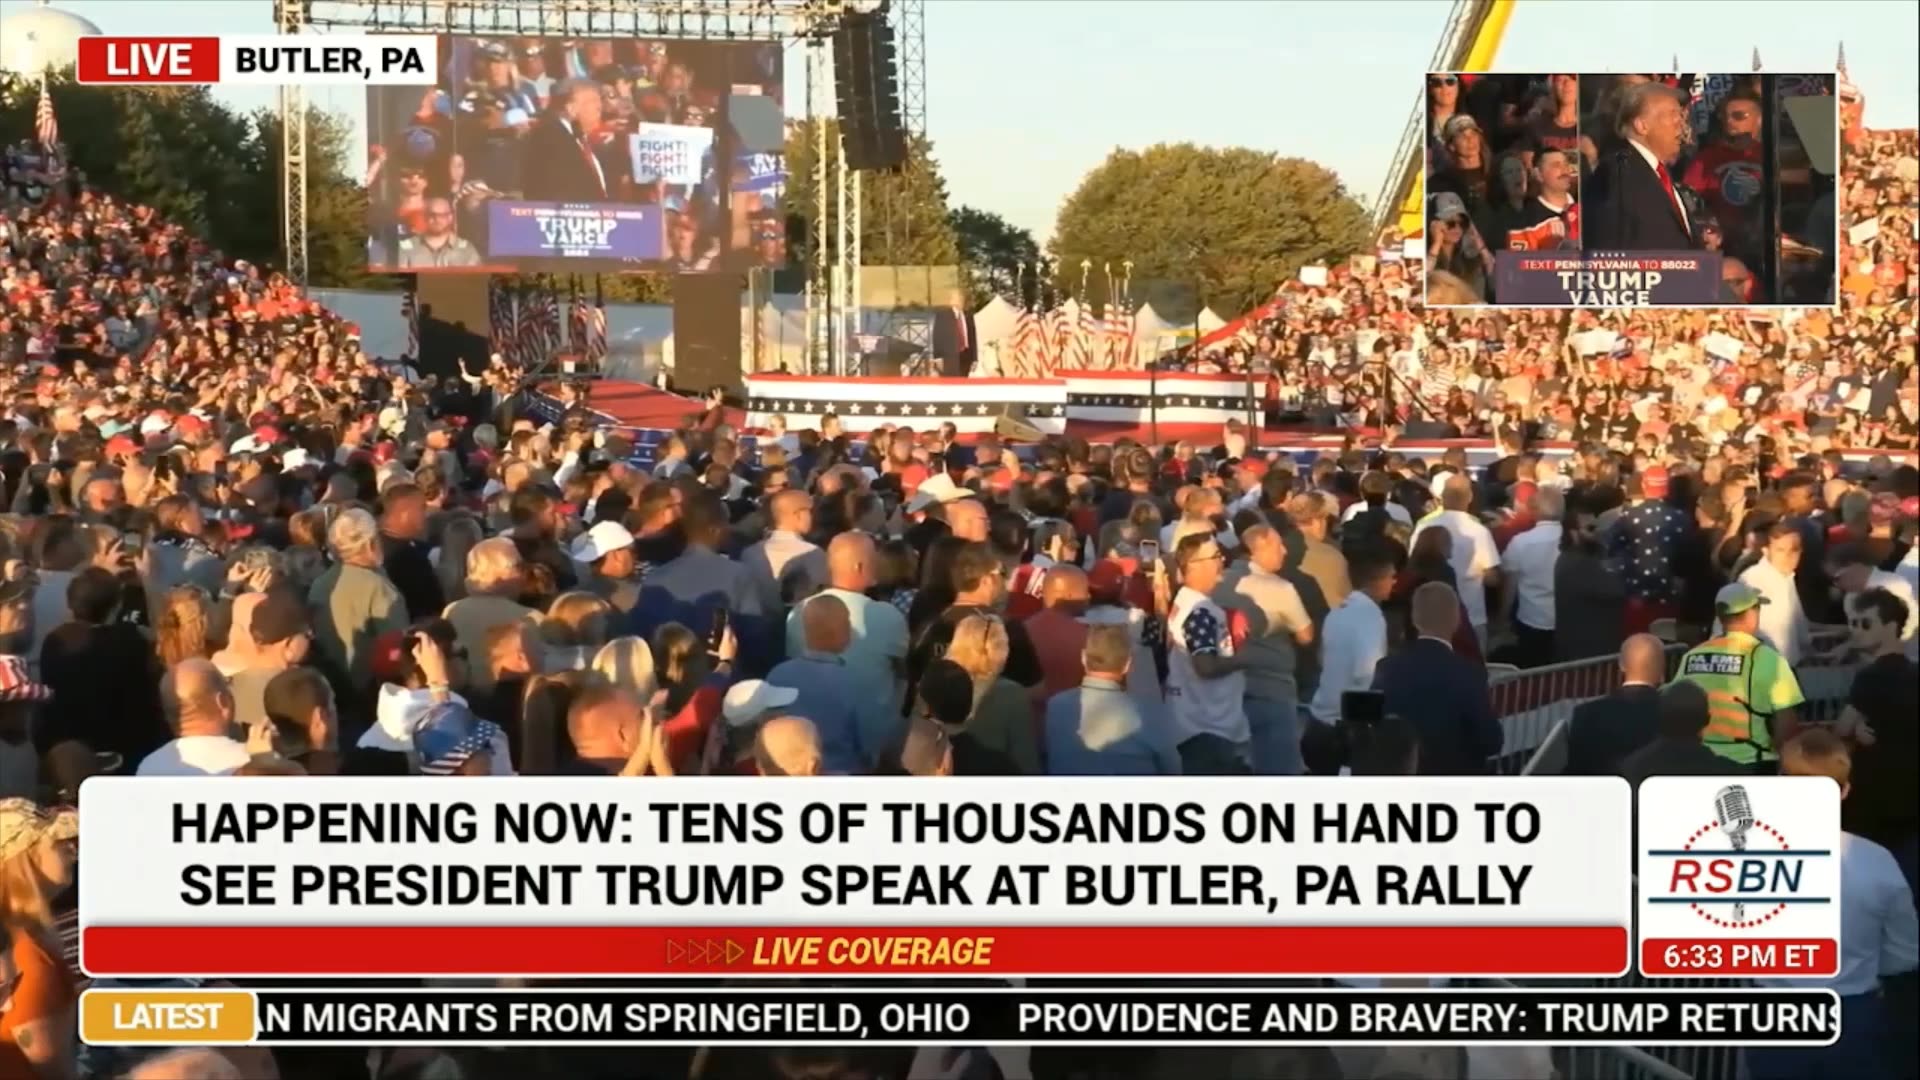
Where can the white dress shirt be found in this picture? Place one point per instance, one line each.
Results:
(1878, 935)
(1394, 510)
(1529, 561)
(1474, 553)
(1782, 624)
(1352, 641)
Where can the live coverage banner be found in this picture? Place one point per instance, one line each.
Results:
(961, 1016)
(857, 876)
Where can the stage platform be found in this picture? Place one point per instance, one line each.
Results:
(1101, 407)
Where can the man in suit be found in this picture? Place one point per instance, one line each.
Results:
(1632, 203)
(1680, 718)
(559, 164)
(955, 344)
(1440, 692)
(1604, 731)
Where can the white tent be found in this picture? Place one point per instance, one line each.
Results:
(1148, 324)
(996, 320)
(1209, 322)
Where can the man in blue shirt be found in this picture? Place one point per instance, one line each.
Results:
(826, 688)
(1097, 729)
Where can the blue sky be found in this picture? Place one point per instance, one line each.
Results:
(1024, 96)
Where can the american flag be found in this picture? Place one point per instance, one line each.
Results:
(539, 326)
(1121, 327)
(596, 343)
(1058, 337)
(410, 312)
(45, 127)
(576, 336)
(500, 323)
(1080, 342)
(1025, 355)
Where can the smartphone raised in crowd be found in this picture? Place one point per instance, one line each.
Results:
(1149, 553)
(719, 631)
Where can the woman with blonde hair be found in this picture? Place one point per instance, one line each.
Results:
(627, 663)
(184, 629)
(1002, 719)
(574, 630)
(37, 1004)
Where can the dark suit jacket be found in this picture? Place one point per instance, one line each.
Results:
(1675, 757)
(554, 168)
(1444, 696)
(1628, 210)
(955, 362)
(1603, 732)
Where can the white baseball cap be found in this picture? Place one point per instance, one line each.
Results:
(600, 541)
(746, 701)
(938, 488)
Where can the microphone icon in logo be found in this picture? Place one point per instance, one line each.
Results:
(1735, 815)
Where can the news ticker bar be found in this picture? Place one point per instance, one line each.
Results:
(898, 1016)
(1010, 951)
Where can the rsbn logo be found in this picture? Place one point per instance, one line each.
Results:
(1745, 883)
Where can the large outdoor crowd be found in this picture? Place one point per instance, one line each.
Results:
(1361, 350)
(300, 560)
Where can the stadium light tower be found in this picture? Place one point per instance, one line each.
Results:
(290, 17)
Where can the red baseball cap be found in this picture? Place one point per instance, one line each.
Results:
(190, 427)
(122, 445)
(388, 656)
(1653, 482)
(1107, 581)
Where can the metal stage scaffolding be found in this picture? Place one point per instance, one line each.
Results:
(832, 292)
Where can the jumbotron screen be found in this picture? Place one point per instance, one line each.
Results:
(580, 155)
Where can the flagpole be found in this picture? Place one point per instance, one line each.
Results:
(1107, 309)
(1014, 365)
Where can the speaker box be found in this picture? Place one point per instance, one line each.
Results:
(706, 332)
(867, 96)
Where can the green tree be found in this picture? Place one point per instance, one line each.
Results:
(903, 215)
(1233, 222)
(993, 250)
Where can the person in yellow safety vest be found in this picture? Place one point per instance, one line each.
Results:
(1753, 698)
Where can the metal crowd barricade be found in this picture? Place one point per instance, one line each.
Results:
(1536, 705)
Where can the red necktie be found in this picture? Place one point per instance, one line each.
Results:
(1666, 181)
(960, 324)
(593, 166)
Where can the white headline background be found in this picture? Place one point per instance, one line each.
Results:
(1580, 860)
(372, 50)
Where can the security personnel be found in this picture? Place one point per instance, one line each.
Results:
(1753, 698)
